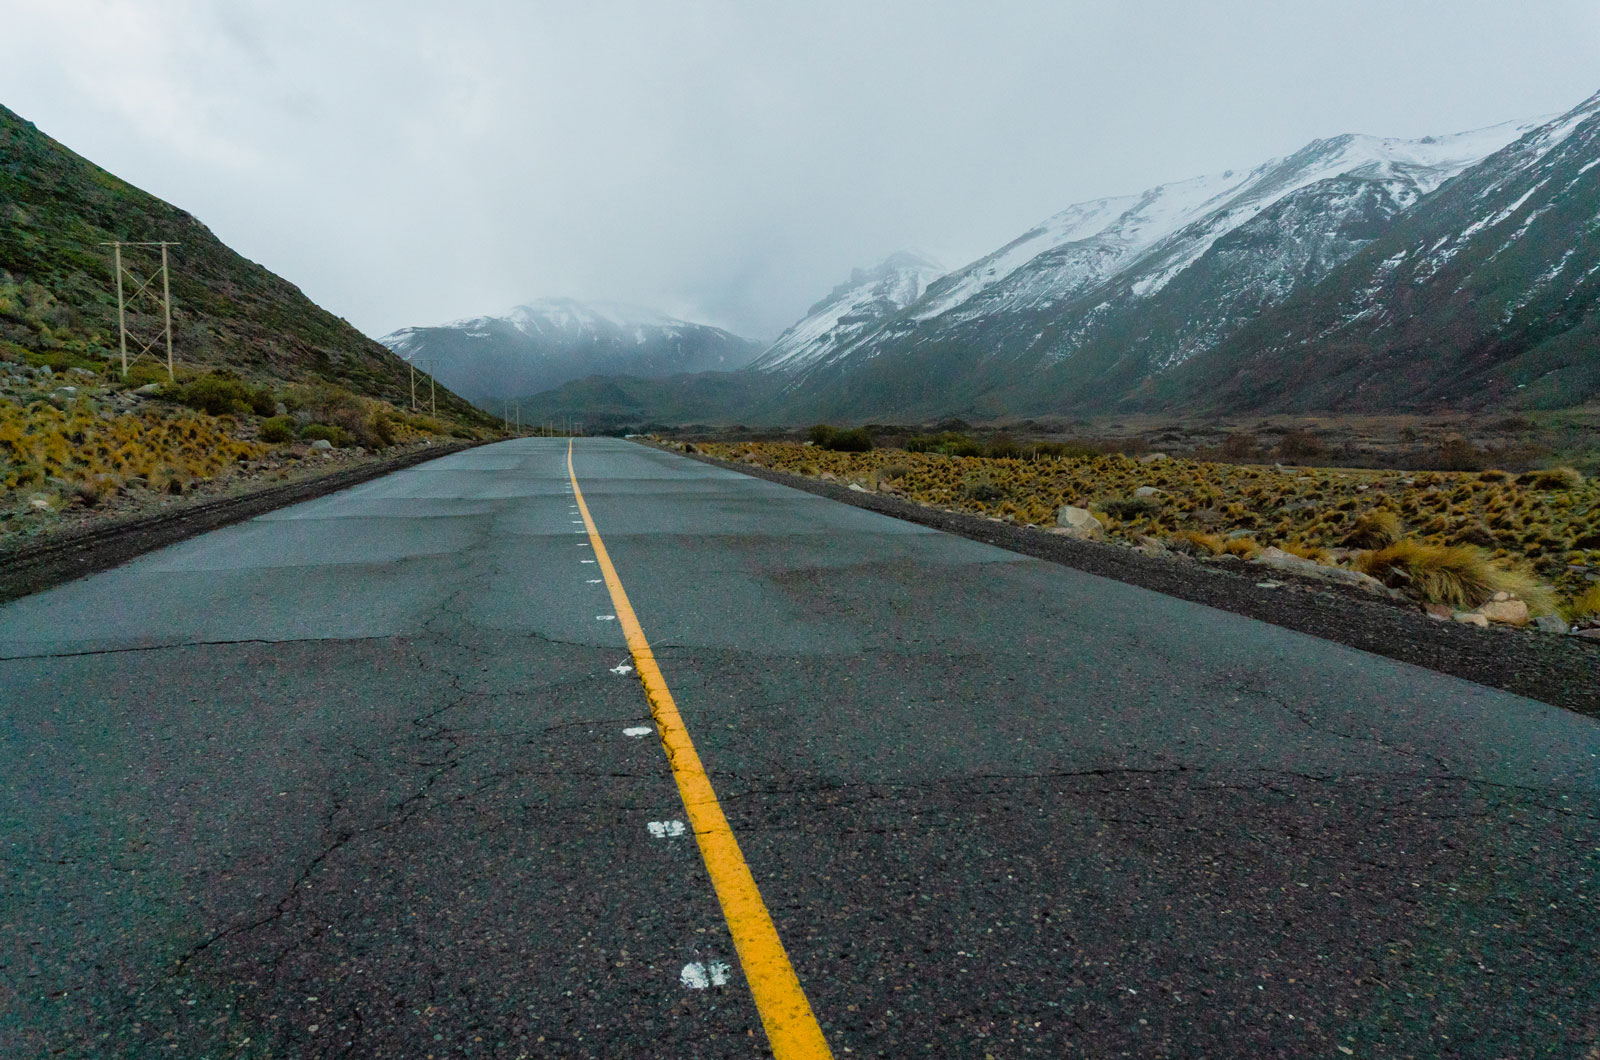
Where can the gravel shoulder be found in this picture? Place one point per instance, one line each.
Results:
(1563, 671)
(31, 566)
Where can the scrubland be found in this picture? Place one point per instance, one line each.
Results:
(1453, 538)
(80, 443)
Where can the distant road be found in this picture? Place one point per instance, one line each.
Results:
(376, 776)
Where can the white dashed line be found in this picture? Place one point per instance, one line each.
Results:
(605, 618)
(665, 829)
(697, 976)
(596, 581)
(636, 731)
(586, 561)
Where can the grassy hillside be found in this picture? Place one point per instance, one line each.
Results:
(57, 300)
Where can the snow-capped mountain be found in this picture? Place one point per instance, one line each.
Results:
(851, 310)
(539, 346)
(1486, 293)
(1132, 285)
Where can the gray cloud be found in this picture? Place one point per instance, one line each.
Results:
(408, 163)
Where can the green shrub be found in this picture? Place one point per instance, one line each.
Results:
(380, 430)
(262, 403)
(981, 489)
(855, 440)
(277, 429)
(218, 393)
(325, 432)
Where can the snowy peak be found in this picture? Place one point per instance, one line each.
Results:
(851, 310)
(542, 344)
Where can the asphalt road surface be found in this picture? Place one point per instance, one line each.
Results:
(356, 778)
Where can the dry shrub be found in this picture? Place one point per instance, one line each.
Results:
(1374, 529)
(1243, 547)
(1194, 543)
(1585, 606)
(1463, 576)
(1553, 478)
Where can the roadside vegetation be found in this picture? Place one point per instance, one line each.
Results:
(78, 441)
(1453, 539)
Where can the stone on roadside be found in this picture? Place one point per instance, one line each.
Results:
(857, 487)
(1587, 634)
(1471, 618)
(1507, 612)
(1077, 523)
(1278, 559)
(1442, 612)
(1550, 624)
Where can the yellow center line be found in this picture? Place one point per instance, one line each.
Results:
(791, 1026)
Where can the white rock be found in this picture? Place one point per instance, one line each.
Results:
(1506, 612)
(1078, 522)
(322, 443)
(1471, 618)
(1149, 491)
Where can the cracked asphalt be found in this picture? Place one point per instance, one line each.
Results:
(350, 780)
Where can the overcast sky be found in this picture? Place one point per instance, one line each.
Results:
(410, 163)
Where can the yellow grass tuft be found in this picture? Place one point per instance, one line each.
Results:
(1374, 529)
(1586, 605)
(1194, 543)
(1463, 576)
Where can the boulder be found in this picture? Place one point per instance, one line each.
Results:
(148, 390)
(1588, 634)
(1471, 618)
(1078, 522)
(1149, 491)
(857, 487)
(1506, 612)
(321, 444)
(1550, 624)
(1278, 559)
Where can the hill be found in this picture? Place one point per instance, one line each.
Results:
(57, 294)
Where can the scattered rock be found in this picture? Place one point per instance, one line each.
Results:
(1151, 458)
(859, 488)
(280, 409)
(1501, 597)
(321, 444)
(827, 476)
(1507, 612)
(1442, 612)
(1281, 560)
(1550, 624)
(1471, 618)
(1149, 491)
(148, 390)
(1078, 522)
(1587, 634)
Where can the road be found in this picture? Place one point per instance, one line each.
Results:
(376, 776)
